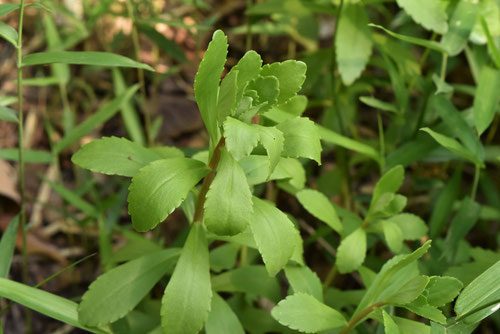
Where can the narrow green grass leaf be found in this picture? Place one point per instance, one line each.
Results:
(51, 305)
(159, 188)
(486, 98)
(222, 319)
(8, 33)
(389, 325)
(352, 251)
(320, 207)
(461, 23)
(104, 59)
(353, 42)
(428, 13)
(129, 114)
(291, 74)
(114, 156)
(305, 313)
(7, 8)
(378, 104)
(274, 234)
(413, 40)
(187, 298)
(30, 156)
(9, 115)
(7, 245)
(127, 283)
(332, 137)
(491, 44)
(302, 279)
(101, 116)
(228, 205)
(453, 146)
(302, 139)
(241, 138)
(60, 71)
(206, 83)
(73, 198)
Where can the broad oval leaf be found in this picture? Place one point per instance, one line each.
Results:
(461, 23)
(428, 13)
(320, 207)
(291, 74)
(302, 139)
(104, 59)
(187, 298)
(305, 313)
(412, 226)
(353, 43)
(442, 290)
(241, 138)
(222, 319)
(393, 235)
(114, 156)
(160, 187)
(228, 206)
(127, 283)
(206, 82)
(51, 305)
(8, 33)
(274, 234)
(409, 291)
(352, 251)
(303, 279)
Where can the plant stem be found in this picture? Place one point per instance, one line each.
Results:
(443, 66)
(22, 214)
(354, 321)
(207, 181)
(140, 73)
(477, 172)
(381, 142)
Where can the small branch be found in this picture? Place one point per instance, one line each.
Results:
(309, 229)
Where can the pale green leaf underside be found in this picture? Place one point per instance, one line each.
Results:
(433, 45)
(428, 13)
(127, 283)
(228, 206)
(302, 139)
(305, 313)
(104, 59)
(114, 156)
(303, 279)
(320, 207)
(274, 234)
(187, 298)
(352, 251)
(160, 187)
(222, 319)
(241, 138)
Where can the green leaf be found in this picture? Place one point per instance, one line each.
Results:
(332, 137)
(302, 139)
(101, 116)
(73, 198)
(442, 290)
(224, 257)
(248, 68)
(452, 145)
(352, 251)
(227, 102)
(43, 157)
(206, 83)
(412, 226)
(304, 280)
(159, 188)
(392, 277)
(7, 8)
(168, 46)
(428, 13)
(9, 115)
(444, 204)
(187, 298)
(305, 313)
(267, 88)
(252, 279)
(414, 40)
(222, 319)
(390, 182)
(378, 104)
(421, 307)
(228, 206)
(486, 98)
(59, 71)
(7, 245)
(495, 53)
(291, 75)
(273, 141)
(320, 207)
(389, 325)
(104, 59)
(8, 33)
(274, 234)
(393, 235)
(461, 23)
(410, 291)
(128, 283)
(51, 305)
(114, 156)
(241, 138)
(353, 42)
